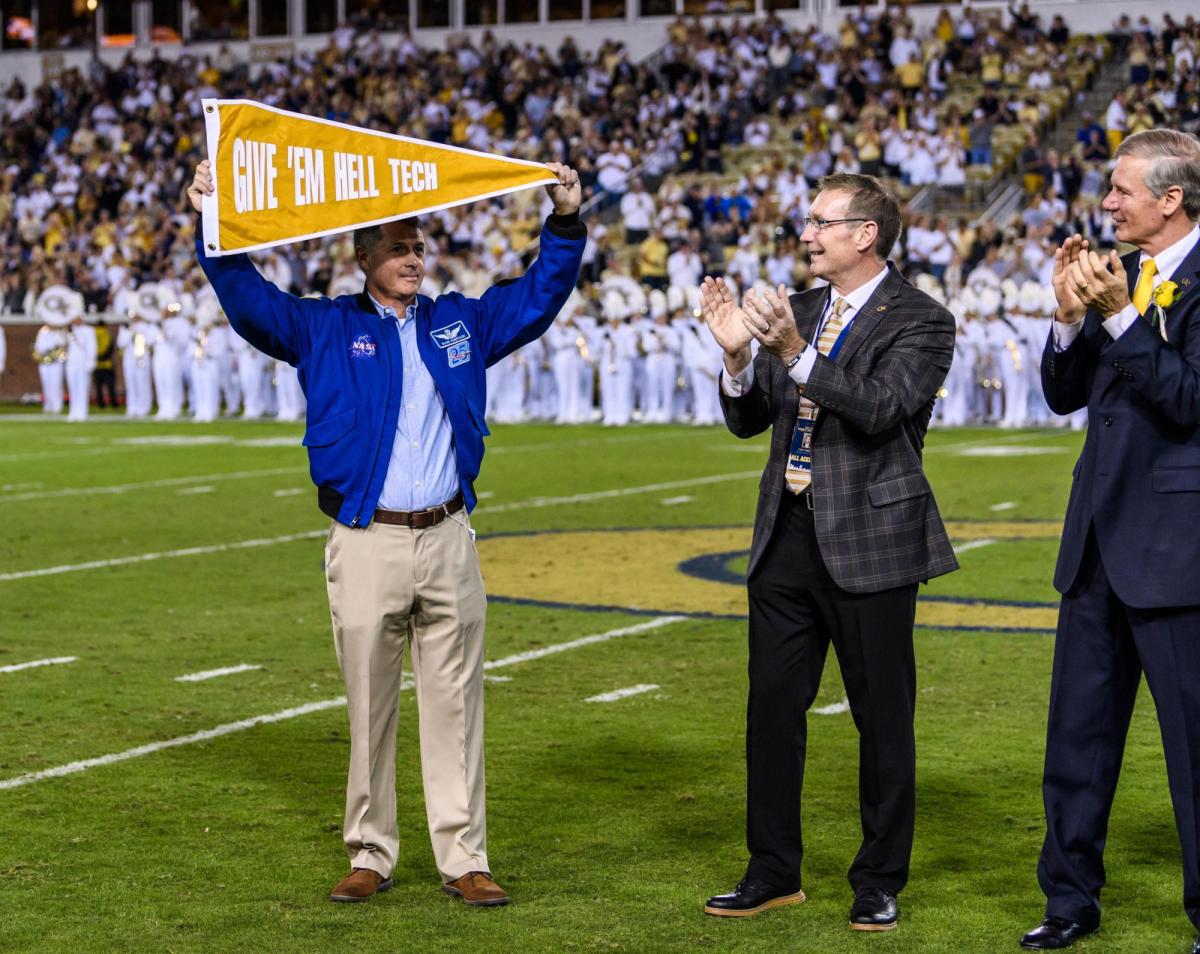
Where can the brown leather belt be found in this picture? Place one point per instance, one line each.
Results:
(421, 519)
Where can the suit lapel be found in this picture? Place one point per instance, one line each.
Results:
(1187, 280)
(871, 314)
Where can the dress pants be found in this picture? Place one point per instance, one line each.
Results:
(1100, 651)
(796, 611)
(389, 585)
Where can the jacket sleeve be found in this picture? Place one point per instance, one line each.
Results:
(1167, 378)
(749, 414)
(270, 319)
(1064, 374)
(905, 378)
(512, 314)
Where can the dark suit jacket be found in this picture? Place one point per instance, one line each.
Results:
(877, 524)
(1138, 478)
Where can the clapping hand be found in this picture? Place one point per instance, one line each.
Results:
(726, 321)
(769, 319)
(1071, 308)
(1100, 283)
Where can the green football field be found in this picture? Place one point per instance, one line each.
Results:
(139, 812)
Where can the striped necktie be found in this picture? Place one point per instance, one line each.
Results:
(799, 467)
(1145, 286)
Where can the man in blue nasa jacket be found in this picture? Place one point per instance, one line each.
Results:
(396, 390)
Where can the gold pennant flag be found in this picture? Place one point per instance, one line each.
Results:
(281, 177)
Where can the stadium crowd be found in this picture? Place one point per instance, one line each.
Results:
(699, 161)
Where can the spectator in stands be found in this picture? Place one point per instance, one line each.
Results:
(637, 212)
(1033, 165)
(1116, 121)
(652, 256)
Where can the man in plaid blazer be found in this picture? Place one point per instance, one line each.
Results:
(846, 528)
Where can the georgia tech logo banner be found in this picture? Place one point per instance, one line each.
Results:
(281, 177)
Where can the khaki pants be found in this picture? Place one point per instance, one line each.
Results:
(387, 585)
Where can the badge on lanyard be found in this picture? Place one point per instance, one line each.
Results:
(800, 454)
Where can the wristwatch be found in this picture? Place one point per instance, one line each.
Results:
(788, 365)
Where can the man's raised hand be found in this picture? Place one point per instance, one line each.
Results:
(567, 193)
(202, 185)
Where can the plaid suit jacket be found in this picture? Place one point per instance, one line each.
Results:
(877, 523)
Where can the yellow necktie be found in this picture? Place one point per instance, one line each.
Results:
(1145, 286)
(798, 474)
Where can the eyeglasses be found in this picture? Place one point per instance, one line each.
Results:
(820, 225)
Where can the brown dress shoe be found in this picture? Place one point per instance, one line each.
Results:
(359, 885)
(477, 888)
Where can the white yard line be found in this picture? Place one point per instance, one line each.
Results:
(202, 489)
(532, 503)
(56, 661)
(1003, 505)
(587, 442)
(673, 501)
(536, 502)
(229, 728)
(203, 736)
(289, 492)
(531, 654)
(974, 544)
(991, 441)
(162, 555)
(622, 693)
(214, 673)
(72, 454)
(836, 709)
(149, 484)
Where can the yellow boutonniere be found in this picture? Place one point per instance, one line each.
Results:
(1166, 294)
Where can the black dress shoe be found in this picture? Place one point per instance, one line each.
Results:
(1053, 934)
(873, 910)
(750, 897)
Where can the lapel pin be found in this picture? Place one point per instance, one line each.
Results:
(1187, 281)
(881, 308)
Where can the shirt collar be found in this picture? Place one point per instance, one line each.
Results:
(1171, 257)
(857, 298)
(385, 310)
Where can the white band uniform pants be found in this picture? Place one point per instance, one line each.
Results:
(388, 584)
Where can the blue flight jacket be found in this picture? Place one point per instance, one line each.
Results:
(350, 365)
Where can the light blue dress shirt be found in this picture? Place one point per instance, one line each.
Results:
(422, 471)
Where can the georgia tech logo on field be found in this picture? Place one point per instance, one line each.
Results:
(363, 347)
(701, 572)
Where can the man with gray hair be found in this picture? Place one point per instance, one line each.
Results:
(396, 388)
(1125, 343)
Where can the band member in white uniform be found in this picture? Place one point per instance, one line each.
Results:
(135, 340)
(81, 360)
(250, 363)
(660, 342)
(205, 361)
(618, 352)
(52, 308)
